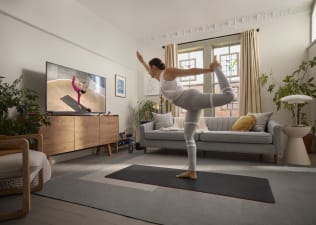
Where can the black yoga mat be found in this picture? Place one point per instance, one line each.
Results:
(244, 187)
(71, 102)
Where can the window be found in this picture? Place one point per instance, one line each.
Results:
(199, 54)
(189, 60)
(228, 56)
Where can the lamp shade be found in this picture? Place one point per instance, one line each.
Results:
(296, 99)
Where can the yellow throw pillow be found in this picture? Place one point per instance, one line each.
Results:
(244, 123)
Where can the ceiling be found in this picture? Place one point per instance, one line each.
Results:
(148, 18)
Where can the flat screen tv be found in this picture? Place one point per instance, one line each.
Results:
(71, 91)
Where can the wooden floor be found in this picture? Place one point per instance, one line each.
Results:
(46, 211)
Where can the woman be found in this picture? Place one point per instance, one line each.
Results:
(190, 99)
(77, 89)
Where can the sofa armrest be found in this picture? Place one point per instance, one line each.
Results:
(143, 129)
(279, 139)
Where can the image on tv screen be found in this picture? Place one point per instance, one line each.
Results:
(71, 90)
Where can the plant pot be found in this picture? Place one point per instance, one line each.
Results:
(308, 140)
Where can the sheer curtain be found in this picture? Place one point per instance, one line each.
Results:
(250, 91)
(171, 60)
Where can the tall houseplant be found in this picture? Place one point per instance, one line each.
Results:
(26, 117)
(298, 82)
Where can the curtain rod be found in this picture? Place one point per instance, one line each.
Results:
(228, 35)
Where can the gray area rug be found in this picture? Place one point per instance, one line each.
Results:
(294, 189)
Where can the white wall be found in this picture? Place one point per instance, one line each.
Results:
(282, 46)
(66, 33)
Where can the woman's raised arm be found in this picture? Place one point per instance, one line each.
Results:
(172, 73)
(141, 60)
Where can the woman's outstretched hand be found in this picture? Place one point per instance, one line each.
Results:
(139, 56)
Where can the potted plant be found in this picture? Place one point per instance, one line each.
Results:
(298, 82)
(19, 110)
(144, 113)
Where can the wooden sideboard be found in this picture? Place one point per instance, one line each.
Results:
(72, 133)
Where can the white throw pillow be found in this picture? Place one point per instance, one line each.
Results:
(261, 121)
(163, 120)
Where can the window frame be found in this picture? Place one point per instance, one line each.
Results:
(313, 23)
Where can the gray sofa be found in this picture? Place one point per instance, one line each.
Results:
(219, 137)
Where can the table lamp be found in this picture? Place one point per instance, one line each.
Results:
(295, 100)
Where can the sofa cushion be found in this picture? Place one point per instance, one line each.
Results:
(220, 123)
(163, 120)
(175, 135)
(261, 120)
(236, 137)
(244, 123)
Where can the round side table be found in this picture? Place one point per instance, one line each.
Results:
(295, 150)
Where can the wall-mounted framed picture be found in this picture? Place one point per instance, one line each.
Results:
(120, 86)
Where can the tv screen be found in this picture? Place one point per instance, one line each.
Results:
(74, 91)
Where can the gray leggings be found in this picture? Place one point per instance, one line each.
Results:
(194, 101)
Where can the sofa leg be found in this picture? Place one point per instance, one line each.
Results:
(275, 158)
(145, 150)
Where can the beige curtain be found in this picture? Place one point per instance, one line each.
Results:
(250, 91)
(171, 60)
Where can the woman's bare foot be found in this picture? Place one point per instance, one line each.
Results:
(215, 63)
(188, 175)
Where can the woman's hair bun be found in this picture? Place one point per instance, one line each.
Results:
(158, 63)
